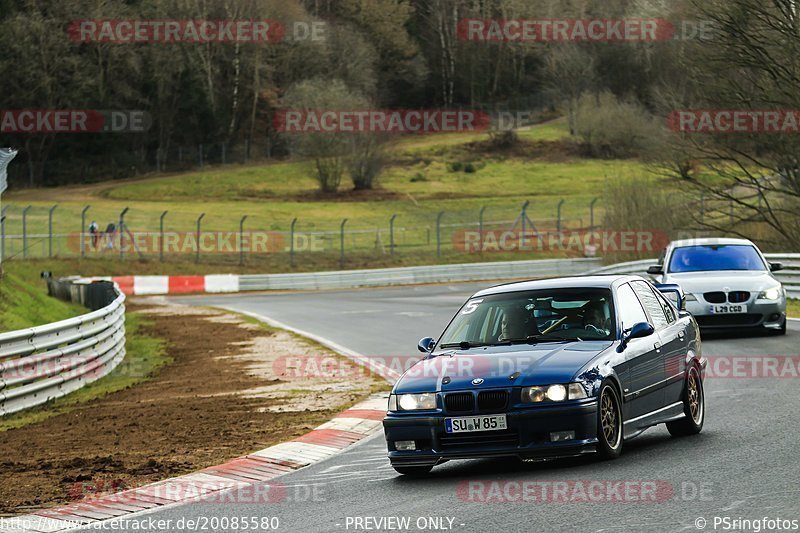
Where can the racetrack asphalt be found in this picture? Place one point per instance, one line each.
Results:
(742, 466)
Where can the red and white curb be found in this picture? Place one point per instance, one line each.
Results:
(155, 285)
(241, 480)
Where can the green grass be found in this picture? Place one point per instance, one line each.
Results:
(24, 303)
(793, 308)
(272, 195)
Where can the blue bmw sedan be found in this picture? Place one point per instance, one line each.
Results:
(550, 368)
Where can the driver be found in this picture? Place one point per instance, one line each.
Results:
(517, 323)
(594, 318)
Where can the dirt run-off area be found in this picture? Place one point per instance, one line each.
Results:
(226, 393)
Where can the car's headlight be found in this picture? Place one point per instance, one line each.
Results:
(412, 402)
(553, 393)
(773, 293)
(689, 297)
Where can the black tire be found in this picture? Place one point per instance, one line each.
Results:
(609, 423)
(694, 407)
(413, 471)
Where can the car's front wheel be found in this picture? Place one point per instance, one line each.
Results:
(694, 407)
(609, 423)
(413, 471)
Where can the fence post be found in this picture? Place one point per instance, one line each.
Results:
(223, 153)
(246, 150)
(83, 229)
(50, 231)
(241, 240)
(558, 216)
(3, 231)
(480, 230)
(591, 213)
(341, 243)
(524, 216)
(291, 244)
(702, 207)
(161, 236)
(391, 235)
(200, 151)
(439, 233)
(122, 234)
(25, 232)
(199, 220)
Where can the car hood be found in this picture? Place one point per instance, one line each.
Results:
(541, 364)
(745, 280)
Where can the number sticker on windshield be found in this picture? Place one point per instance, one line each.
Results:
(471, 307)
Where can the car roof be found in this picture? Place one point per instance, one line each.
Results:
(710, 241)
(574, 282)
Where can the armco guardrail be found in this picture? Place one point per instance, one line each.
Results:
(789, 276)
(46, 362)
(416, 275)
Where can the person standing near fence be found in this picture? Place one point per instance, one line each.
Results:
(111, 230)
(94, 232)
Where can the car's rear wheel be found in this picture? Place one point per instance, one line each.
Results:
(413, 471)
(609, 423)
(694, 407)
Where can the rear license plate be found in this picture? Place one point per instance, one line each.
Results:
(726, 309)
(475, 423)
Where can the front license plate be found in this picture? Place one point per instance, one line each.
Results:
(475, 423)
(726, 309)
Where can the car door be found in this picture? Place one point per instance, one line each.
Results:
(675, 338)
(669, 341)
(644, 364)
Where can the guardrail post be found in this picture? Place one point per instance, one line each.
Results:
(291, 243)
(341, 243)
(161, 236)
(558, 215)
(730, 202)
(25, 232)
(241, 240)
(3, 232)
(391, 235)
(83, 230)
(480, 230)
(223, 154)
(199, 220)
(122, 234)
(524, 217)
(50, 231)
(439, 234)
(591, 213)
(200, 152)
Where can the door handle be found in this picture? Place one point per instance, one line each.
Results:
(657, 346)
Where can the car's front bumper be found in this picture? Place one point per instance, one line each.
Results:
(527, 436)
(757, 313)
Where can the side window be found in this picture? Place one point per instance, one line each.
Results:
(651, 303)
(630, 309)
(669, 310)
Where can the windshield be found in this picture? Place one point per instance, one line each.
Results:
(716, 257)
(531, 317)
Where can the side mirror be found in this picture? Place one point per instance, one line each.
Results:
(774, 267)
(426, 345)
(639, 330)
(674, 294)
(656, 270)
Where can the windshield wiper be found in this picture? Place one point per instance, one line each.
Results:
(535, 339)
(464, 345)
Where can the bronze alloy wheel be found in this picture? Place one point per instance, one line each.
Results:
(695, 407)
(610, 419)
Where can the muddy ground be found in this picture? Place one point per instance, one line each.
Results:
(227, 393)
